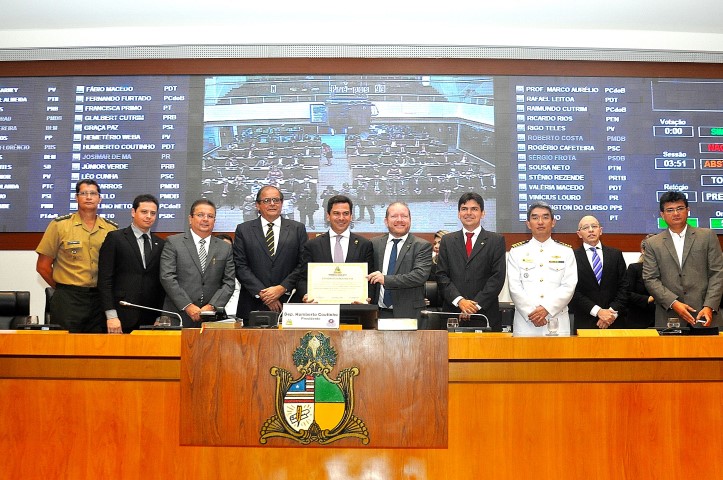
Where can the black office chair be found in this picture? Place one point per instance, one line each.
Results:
(433, 298)
(432, 295)
(14, 309)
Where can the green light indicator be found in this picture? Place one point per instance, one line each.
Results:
(716, 223)
(717, 131)
(693, 222)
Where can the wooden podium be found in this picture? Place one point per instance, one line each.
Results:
(365, 388)
(108, 406)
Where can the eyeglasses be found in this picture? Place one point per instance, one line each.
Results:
(593, 226)
(270, 200)
(676, 209)
(210, 216)
(87, 194)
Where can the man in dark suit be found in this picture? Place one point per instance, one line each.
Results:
(471, 265)
(683, 267)
(399, 290)
(601, 293)
(337, 245)
(197, 269)
(128, 269)
(268, 266)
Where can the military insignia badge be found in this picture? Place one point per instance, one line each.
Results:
(314, 407)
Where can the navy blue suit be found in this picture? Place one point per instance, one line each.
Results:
(479, 277)
(256, 269)
(121, 276)
(612, 292)
(319, 250)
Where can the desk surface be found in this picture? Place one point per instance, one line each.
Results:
(462, 346)
(107, 406)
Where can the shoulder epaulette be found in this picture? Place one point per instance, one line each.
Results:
(563, 244)
(110, 221)
(64, 217)
(519, 243)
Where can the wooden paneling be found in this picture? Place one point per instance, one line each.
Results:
(225, 371)
(351, 66)
(587, 411)
(466, 346)
(625, 242)
(161, 344)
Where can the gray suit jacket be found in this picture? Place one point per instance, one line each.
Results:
(183, 281)
(698, 282)
(406, 282)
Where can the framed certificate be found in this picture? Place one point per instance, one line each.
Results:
(338, 282)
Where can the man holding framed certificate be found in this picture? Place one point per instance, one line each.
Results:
(325, 281)
(402, 265)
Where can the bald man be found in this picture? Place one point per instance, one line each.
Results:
(601, 293)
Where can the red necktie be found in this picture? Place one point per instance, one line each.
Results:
(468, 245)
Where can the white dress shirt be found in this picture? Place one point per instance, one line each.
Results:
(679, 243)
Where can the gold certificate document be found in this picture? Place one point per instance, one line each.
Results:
(338, 282)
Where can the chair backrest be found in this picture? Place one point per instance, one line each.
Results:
(432, 294)
(13, 304)
(49, 291)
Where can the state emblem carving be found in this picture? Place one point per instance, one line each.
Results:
(313, 407)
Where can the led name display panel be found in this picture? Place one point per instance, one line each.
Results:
(607, 146)
(612, 147)
(130, 134)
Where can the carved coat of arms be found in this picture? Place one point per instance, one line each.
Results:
(314, 407)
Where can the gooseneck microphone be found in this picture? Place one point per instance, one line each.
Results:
(291, 294)
(432, 312)
(167, 312)
(427, 313)
(288, 300)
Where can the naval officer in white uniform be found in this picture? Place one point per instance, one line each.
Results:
(542, 276)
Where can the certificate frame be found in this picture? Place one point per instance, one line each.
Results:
(330, 283)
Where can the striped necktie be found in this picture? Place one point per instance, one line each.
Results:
(596, 264)
(202, 255)
(270, 239)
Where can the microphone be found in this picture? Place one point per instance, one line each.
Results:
(291, 294)
(167, 312)
(432, 312)
(427, 313)
(279, 321)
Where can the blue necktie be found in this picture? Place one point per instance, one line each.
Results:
(596, 264)
(390, 271)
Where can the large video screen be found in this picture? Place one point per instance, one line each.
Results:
(606, 146)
